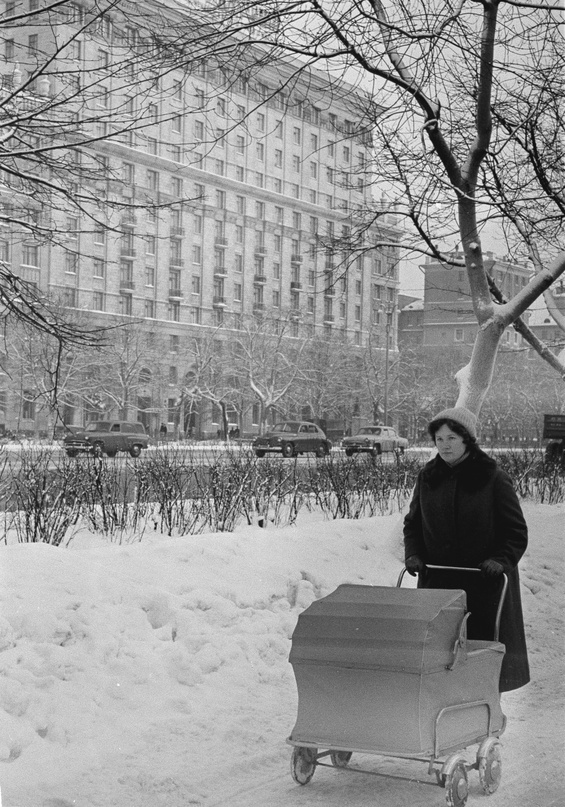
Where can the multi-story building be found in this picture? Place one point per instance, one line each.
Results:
(445, 318)
(209, 200)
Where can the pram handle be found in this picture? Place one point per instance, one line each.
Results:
(469, 569)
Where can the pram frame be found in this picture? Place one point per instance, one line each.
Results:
(452, 775)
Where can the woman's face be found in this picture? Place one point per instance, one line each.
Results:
(449, 444)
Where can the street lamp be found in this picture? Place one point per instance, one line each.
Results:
(389, 311)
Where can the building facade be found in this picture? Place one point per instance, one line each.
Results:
(217, 200)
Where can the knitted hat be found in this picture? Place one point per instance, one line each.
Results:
(460, 415)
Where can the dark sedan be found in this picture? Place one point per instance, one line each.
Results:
(291, 438)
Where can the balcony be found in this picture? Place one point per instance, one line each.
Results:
(220, 271)
(329, 318)
(295, 285)
(127, 286)
(260, 250)
(220, 241)
(257, 307)
(175, 293)
(296, 257)
(294, 313)
(219, 302)
(329, 292)
(127, 252)
(179, 262)
(260, 279)
(179, 231)
(330, 266)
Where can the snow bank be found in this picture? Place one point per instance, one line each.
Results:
(157, 672)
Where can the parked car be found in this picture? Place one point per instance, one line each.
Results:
(554, 431)
(375, 440)
(107, 437)
(291, 438)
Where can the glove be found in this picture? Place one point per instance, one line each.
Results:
(491, 568)
(414, 564)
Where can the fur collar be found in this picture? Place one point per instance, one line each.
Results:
(473, 473)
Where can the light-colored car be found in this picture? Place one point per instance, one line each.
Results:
(293, 437)
(375, 440)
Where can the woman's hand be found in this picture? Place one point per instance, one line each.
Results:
(491, 568)
(414, 564)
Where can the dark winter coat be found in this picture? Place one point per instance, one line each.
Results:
(460, 516)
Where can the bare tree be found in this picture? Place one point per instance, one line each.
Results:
(463, 100)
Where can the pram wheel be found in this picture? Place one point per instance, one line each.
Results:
(340, 759)
(490, 764)
(303, 764)
(456, 783)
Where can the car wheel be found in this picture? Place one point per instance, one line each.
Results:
(111, 453)
(376, 450)
(98, 449)
(287, 450)
(72, 453)
(135, 450)
(259, 452)
(321, 450)
(349, 452)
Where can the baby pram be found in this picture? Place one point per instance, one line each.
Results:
(390, 671)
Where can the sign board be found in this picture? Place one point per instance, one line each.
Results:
(554, 426)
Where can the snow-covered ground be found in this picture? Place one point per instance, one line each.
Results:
(156, 672)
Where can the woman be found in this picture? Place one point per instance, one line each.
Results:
(465, 512)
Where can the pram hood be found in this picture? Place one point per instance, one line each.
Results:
(377, 627)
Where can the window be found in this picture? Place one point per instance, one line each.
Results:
(314, 142)
(260, 210)
(277, 242)
(177, 90)
(277, 271)
(276, 298)
(176, 124)
(259, 179)
(197, 224)
(198, 130)
(240, 173)
(70, 296)
(240, 144)
(98, 301)
(28, 405)
(295, 163)
(277, 185)
(149, 309)
(152, 147)
(176, 186)
(279, 215)
(278, 158)
(331, 148)
(261, 121)
(296, 191)
(196, 253)
(313, 197)
(459, 334)
(128, 173)
(200, 100)
(221, 106)
(4, 251)
(346, 154)
(296, 223)
(296, 135)
(32, 45)
(221, 200)
(30, 254)
(173, 311)
(195, 284)
(237, 291)
(313, 169)
(71, 262)
(173, 374)
(149, 275)
(260, 151)
(153, 180)
(219, 167)
(239, 263)
(358, 288)
(195, 315)
(279, 129)
(240, 112)
(240, 204)
(239, 233)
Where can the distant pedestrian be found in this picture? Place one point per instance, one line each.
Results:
(163, 432)
(465, 512)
